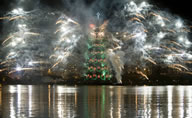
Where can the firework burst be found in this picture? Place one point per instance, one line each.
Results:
(152, 37)
(138, 35)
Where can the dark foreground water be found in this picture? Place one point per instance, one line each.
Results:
(42, 101)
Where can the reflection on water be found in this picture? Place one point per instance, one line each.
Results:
(40, 101)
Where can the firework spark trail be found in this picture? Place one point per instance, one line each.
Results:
(165, 47)
(3, 18)
(185, 30)
(189, 62)
(52, 56)
(7, 39)
(140, 15)
(135, 19)
(180, 66)
(31, 33)
(20, 69)
(131, 36)
(11, 54)
(175, 49)
(66, 22)
(7, 61)
(158, 16)
(175, 55)
(56, 64)
(15, 35)
(171, 30)
(61, 58)
(177, 68)
(190, 73)
(118, 47)
(60, 22)
(176, 43)
(150, 60)
(142, 74)
(16, 17)
(4, 69)
(38, 62)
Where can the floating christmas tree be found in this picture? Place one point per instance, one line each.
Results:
(96, 62)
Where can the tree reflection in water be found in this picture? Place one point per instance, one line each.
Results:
(57, 101)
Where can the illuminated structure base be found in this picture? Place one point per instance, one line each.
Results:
(97, 69)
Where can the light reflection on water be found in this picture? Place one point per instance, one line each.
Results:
(41, 101)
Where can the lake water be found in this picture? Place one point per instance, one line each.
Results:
(59, 101)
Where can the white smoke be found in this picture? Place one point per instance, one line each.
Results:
(116, 59)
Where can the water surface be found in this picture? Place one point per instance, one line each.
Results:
(58, 101)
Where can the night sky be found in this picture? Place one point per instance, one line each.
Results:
(182, 8)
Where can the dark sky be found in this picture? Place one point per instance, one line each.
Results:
(182, 8)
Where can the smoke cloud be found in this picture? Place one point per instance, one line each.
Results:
(138, 35)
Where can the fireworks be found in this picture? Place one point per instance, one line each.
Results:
(167, 45)
(16, 17)
(142, 74)
(20, 69)
(19, 37)
(159, 17)
(56, 64)
(190, 62)
(3, 18)
(4, 69)
(140, 15)
(7, 39)
(136, 19)
(31, 33)
(179, 66)
(176, 43)
(137, 36)
(68, 34)
(19, 44)
(150, 60)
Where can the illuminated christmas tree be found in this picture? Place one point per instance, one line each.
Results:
(96, 62)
